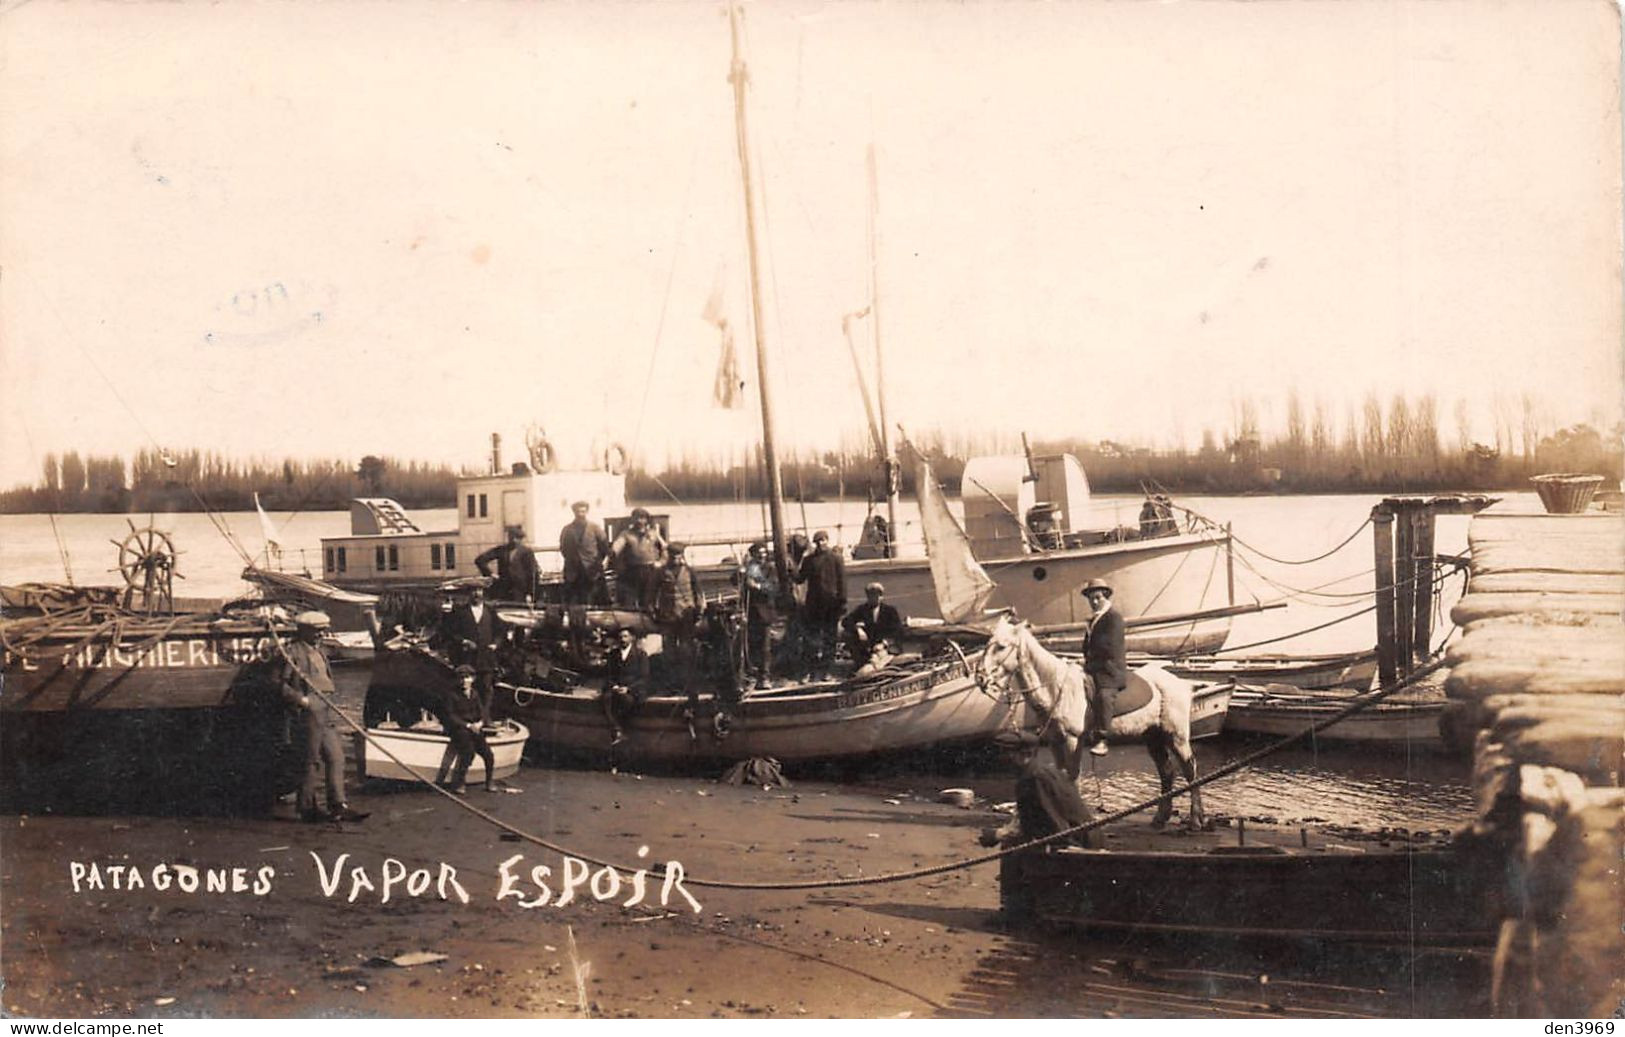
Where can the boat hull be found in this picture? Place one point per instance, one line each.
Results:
(415, 754)
(1380, 894)
(930, 706)
(1255, 712)
(1210, 706)
(1349, 670)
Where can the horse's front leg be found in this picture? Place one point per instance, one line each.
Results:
(1187, 765)
(1156, 743)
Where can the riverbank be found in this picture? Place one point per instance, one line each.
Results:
(285, 946)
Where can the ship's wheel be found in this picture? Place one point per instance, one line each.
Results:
(146, 560)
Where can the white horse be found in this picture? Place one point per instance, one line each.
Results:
(1060, 691)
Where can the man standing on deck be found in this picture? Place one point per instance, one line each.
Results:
(636, 555)
(678, 602)
(516, 567)
(471, 634)
(584, 547)
(825, 576)
(307, 685)
(1105, 660)
(761, 591)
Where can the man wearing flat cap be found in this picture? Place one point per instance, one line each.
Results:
(307, 686)
(516, 568)
(1105, 660)
(825, 576)
(636, 556)
(871, 624)
(678, 602)
(584, 546)
(1047, 801)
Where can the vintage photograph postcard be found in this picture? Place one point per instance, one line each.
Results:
(760, 509)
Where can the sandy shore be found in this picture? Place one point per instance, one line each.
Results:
(930, 947)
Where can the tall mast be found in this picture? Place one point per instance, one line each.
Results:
(888, 458)
(738, 76)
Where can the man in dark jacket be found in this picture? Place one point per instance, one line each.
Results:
(760, 587)
(1104, 660)
(628, 683)
(584, 547)
(825, 576)
(871, 624)
(1047, 801)
(516, 567)
(471, 632)
(459, 714)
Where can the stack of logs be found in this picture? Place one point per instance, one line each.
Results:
(1538, 678)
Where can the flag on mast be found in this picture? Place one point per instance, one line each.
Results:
(273, 548)
(728, 387)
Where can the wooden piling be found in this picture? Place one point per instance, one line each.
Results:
(1404, 584)
(1422, 568)
(1382, 540)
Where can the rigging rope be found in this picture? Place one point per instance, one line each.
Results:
(1266, 555)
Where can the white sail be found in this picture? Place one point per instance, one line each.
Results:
(963, 586)
(273, 548)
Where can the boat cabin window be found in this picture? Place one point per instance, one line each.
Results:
(451, 556)
(340, 554)
(378, 559)
(434, 556)
(482, 505)
(394, 558)
(327, 559)
(471, 505)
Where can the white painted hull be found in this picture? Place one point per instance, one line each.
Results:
(425, 750)
(1256, 712)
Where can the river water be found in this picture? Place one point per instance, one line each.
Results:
(1415, 787)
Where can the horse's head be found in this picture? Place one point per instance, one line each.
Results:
(1002, 655)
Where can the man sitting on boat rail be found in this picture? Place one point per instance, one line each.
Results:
(459, 714)
(1105, 660)
(307, 685)
(870, 627)
(628, 684)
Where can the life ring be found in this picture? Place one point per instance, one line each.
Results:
(529, 696)
(543, 458)
(615, 459)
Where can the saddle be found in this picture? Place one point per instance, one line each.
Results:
(1136, 695)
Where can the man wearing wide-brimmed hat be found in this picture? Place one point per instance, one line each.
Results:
(307, 685)
(1105, 660)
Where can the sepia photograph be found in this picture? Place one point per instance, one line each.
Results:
(796, 509)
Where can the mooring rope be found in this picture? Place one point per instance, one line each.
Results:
(1265, 554)
(1358, 704)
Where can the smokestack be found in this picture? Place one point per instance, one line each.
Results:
(496, 453)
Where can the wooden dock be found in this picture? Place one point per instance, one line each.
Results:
(1536, 684)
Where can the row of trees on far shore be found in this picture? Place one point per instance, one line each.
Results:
(1394, 448)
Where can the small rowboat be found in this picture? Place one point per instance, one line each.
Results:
(427, 751)
(1277, 710)
(1209, 706)
(1311, 672)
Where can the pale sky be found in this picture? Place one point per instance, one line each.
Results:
(346, 228)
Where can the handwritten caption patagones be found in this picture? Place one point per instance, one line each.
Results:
(347, 879)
